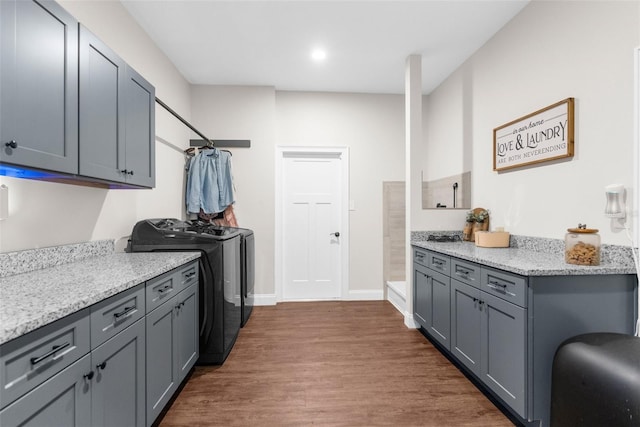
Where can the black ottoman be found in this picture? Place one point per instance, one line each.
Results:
(596, 381)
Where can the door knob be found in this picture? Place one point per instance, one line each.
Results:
(337, 234)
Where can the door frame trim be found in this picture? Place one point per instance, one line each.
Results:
(281, 152)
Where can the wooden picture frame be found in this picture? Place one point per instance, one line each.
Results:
(542, 136)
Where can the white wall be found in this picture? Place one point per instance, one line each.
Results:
(48, 214)
(549, 52)
(231, 112)
(372, 126)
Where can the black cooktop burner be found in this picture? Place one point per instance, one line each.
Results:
(443, 238)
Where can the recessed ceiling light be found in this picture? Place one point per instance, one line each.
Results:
(318, 54)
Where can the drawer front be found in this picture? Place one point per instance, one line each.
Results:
(28, 361)
(420, 257)
(510, 287)
(438, 262)
(161, 289)
(465, 272)
(116, 313)
(188, 275)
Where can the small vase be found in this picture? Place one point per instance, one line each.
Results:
(467, 232)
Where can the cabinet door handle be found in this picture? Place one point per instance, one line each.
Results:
(11, 144)
(124, 312)
(52, 352)
(89, 376)
(102, 365)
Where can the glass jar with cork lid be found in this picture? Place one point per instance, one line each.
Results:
(582, 246)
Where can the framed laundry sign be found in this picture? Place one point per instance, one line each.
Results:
(541, 136)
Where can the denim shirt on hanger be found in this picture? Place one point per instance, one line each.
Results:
(209, 182)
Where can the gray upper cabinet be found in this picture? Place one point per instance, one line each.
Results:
(102, 75)
(68, 103)
(140, 130)
(38, 86)
(117, 127)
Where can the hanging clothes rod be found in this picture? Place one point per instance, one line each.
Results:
(186, 123)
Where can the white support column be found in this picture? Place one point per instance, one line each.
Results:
(413, 138)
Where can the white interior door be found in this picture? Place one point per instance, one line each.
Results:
(312, 229)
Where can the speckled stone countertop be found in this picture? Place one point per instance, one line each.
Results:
(36, 298)
(531, 256)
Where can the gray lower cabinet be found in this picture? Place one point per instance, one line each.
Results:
(172, 342)
(431, 298)
(106, 365)
(118, 394)
(63, 400)
(38, 86)
(465, 325)
(440, 321)
(503, 338)
(488, 336)
(421, 295)
(188, 337)
(162, 379)
(505, 328)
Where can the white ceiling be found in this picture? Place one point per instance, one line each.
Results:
(268, 42)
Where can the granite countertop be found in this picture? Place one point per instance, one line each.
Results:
(36, 298)
(527, 262)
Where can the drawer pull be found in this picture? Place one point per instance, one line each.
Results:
(52, 352)
(494, 283)
(462, 272)
(500, 288)
(124, 312)
(190, 275)
(164, 289)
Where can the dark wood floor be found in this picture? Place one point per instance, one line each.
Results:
(331, 364)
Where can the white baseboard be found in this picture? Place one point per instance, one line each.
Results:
(358, 295)
(396, 295)
(409, 322)
(366, 295)
(265, 299)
